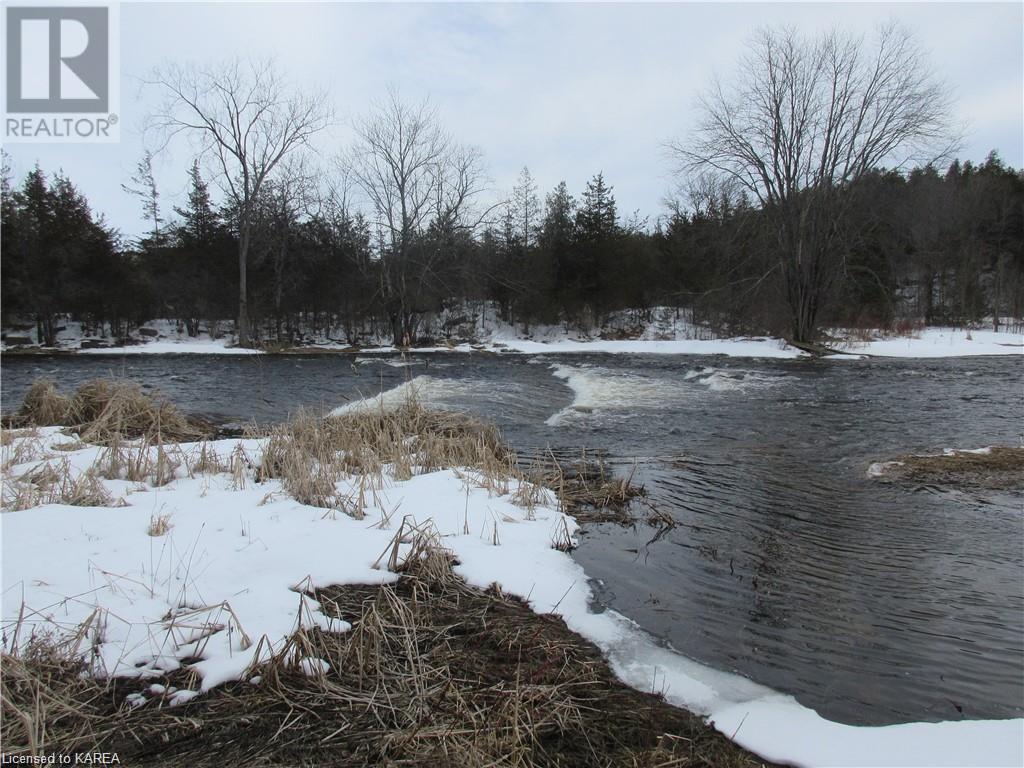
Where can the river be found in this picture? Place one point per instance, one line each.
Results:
(870, 602)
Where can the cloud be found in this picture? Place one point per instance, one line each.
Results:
(567, 89)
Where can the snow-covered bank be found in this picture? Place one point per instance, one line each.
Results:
(665, 331)
(780, 729)
(157, 337)
(191, 347)
(939, 342)
(212, 561)
(740, 347)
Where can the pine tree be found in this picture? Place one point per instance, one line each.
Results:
(597, 218)
(560, 209)
(143, 186)
(199, 220)
(526, 207)
(12, 276)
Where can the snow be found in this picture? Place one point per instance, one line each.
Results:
(940, 342)
(239, 560)
(881, 468)
(161, 337)
(194, 347)
(740, 347)
(659, 331)
(780, 729)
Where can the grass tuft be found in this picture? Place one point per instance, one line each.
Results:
(104, 410)
(1000, 467)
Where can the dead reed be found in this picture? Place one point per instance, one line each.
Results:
(1001, 467)
(310, 455)
(104, 409)
(55, 482)
(433, 672)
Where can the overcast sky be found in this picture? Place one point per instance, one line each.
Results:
(567, 90)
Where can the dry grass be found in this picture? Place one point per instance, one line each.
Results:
(432, 672)
(43, 405)
(1001, 467)
(8, 436)
(138, 461)
(311, 454)
(103, 410)
(19, 447)
(56, 483)
(586, 488)
(48, 704)
(159, 525)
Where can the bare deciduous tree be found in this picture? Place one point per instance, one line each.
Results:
(289, 195)
(803, 119)
(414, 177)
(246, 118)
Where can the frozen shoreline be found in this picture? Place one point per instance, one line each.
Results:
(235, 544)
(666, 331)
(929, 343)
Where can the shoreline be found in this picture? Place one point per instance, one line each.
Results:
(267, 538)
(929, 344)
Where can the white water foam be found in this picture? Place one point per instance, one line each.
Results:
(394, 362)
(425, 389)
(719, 380)
(598, 389)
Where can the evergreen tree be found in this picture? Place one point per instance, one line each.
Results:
(143, 186)
(12, 276)
(199, 220)
(597, 218)
(526, 208)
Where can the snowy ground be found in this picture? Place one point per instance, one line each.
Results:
(208, 565)
(155, 337)
(940, 342)
(667, 332)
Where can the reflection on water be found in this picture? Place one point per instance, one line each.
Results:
(870, 602)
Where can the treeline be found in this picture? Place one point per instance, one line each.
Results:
(928, 246)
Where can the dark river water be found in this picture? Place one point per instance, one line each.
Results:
(870, 602)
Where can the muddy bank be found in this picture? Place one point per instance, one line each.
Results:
(997, 468)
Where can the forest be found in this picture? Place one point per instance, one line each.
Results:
(931, 246)
(797, 207)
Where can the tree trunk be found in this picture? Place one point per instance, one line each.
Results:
(278, 287)
(49, 330)
(243, 301)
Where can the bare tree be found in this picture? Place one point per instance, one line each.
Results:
(805, 118)
(247, 119)
(414, 177)
(289, 195)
